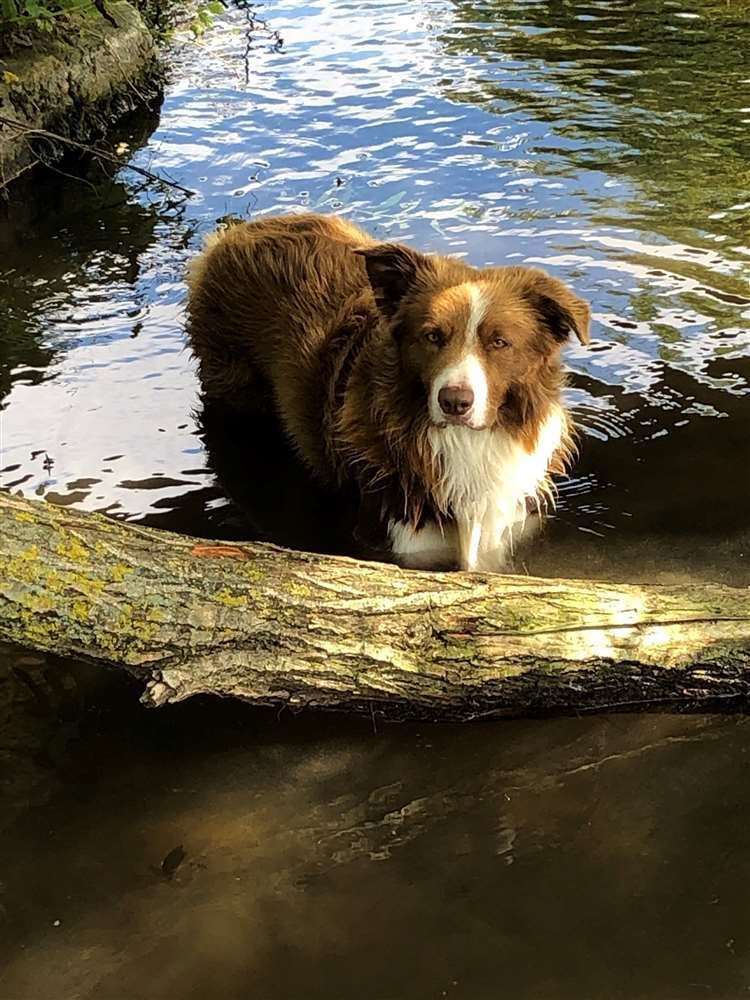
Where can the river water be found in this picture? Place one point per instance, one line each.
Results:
(598, 857)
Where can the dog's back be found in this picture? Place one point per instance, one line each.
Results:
(265, 297)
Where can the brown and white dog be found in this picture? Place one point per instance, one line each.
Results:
(431, 385)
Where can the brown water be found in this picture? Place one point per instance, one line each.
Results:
(594, 857)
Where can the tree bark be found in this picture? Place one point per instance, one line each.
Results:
(190, 616)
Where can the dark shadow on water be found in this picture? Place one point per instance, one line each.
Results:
(263, 492)
(271, 490)
(664, 502)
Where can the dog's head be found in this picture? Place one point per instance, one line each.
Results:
(477, 340)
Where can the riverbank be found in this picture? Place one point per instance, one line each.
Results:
(75, 83)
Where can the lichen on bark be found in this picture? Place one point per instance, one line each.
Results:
(189, 616)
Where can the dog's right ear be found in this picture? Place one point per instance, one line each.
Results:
(393, 270)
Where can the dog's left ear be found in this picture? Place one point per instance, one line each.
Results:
(558, 308)
(393, 270)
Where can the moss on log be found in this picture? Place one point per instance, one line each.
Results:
(76, 84)
(190, 616)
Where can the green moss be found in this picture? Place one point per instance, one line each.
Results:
(70, 548)
(81, 610)
(230, 600)
(250, 571)
(459, 650)
(135, 629)
(91, 588)
(125, 617)
(38, 603)
(514, 620)
(119, 571)
(36, 630)
(23, 567)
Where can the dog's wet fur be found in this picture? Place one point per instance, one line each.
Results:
(430, 386)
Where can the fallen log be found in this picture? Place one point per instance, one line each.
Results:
(191, 616)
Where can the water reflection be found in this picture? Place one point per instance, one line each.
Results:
(60, 250)
(561, 135)
(652, 93)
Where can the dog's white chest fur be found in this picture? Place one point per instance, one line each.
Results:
(485, 480)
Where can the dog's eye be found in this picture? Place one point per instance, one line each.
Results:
(498, 342)
(434, 336)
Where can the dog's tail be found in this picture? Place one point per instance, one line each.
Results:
(197, 266)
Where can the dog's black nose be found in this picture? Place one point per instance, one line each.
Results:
(455, 401)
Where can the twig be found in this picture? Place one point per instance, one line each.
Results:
(256, 24)
(29, 130)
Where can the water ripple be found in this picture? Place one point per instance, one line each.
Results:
(605, 142)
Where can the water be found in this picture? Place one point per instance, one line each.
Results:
(596, 857)
(606, 141)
